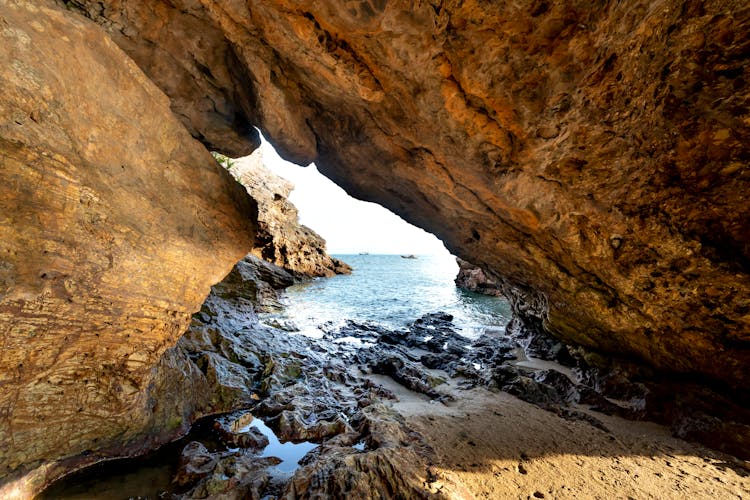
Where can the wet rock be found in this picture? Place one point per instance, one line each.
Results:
(280, 324)
(433, 361)
(236, 432)
(257, 281)
(432, 332)
(720, 433)
(537, 342)
(531, 391)
(597, 402)
(407, 373)
(505, 374)
(561, 383)
(702, 414)
(393, 461)
(364, 331)
(575, 415)
(237, 476)
(195, 464)
(291, 426)
(493, 348)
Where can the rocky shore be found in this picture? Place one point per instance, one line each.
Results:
(405, 413)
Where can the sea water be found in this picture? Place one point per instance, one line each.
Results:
(391, 291)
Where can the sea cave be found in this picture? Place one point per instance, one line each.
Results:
(586, 161)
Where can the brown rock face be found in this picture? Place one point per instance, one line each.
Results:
(472, 278)
(593, 155)
(281, 239)
(114, 222)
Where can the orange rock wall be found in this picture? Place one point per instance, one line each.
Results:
(114, 223)
(594, 155)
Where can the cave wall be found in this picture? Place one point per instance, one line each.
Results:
(114, 223)
(593, 154)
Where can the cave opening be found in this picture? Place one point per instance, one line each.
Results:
(400, 272)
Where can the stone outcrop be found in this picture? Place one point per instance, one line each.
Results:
(114, 223)
(594, 155)
(474, 279)
(281, 239)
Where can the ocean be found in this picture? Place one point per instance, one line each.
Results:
(392, 292)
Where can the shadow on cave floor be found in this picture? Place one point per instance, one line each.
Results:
(493, 445)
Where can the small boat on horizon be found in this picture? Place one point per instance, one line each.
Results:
(364, 253)
(410, 256)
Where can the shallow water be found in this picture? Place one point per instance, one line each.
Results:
(392, 292)
(150, 476)
(144, 477)
(289, 453)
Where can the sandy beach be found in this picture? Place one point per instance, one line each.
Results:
(493, 445)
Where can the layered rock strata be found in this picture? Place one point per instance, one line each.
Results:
(592, 155)
(114, 223)
(281, 239)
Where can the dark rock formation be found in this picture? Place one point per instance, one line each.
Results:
(474, 279)
(281, 239)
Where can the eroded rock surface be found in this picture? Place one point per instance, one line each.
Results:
(474, 279)
(114, 223)
(281, 239)
(593, 155)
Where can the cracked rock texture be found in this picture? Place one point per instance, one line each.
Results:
(114, 223)
(281, 239)
(592, 154)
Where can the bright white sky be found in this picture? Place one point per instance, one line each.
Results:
(349, 226)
